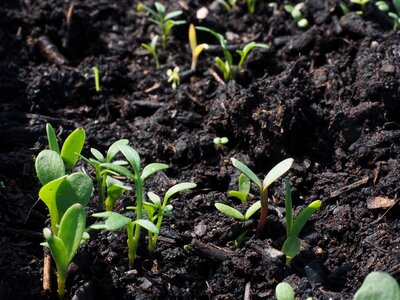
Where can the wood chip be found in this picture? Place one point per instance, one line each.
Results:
(350, 187)
(380, 202)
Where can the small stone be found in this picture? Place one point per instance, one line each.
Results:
(200, 229)
(202, 13)
(146, 284)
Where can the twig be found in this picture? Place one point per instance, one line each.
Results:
(50, 51)
(210, 251)
(46, 270)
(350, 187)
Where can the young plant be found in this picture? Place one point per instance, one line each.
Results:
(102, 173)
(138, 177)
(378, 286)
(251, 6)
(96, 78)
(344, 7)
(244, 189)
(284, 291)
(383, 6)
(295, 12)
(276, 172)
(163, 20)
(196, 49)
(228, 4)
(226, 66)
(64, 244)
(115, 189)
(362, 4)
(156, 210)
(152, 49)
(173, 76)
(234, 213)
(291, 246)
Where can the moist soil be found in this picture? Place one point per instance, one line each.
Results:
(327, 95)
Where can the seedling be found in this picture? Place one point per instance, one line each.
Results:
(251, 6)
(163, 20)
(362, 4)
(276, 172)
(220, 141)
(103, 183)
(227, 68)
(152, 49)
(291, 246)
(65, 243)
(344, 7)
(295, 12)
(284, 291)
(244, 189)
(229, 4)
(196, 49)
(234, 213)
(156, 210)
(115, 189)
(96, 79)
(383, 6)
(378, 286)
(138, 177)
(173, 76)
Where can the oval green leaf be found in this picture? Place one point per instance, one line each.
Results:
(246, 171)
(252, 210)
(229, 211)
(132, 157)
(378, 286)
(291, 246)
(114, 221)
(113, 150)
(178, 188)
(277, 172)
(49, 166)
(152, 168)
(284, 291)
(52, 138)
(72, 147)
(147, 225)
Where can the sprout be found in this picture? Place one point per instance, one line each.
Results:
(244, 189)
(220, 141)
(152, 49)
(291, 246)
(96, 79)
(251, 6)
(345, 9)
(64, 245)
(362, 4)
(163, 20)
(196, 49)
(226, 66)
(229, 4)
(295, 12)
(383, 6)
(173, 76)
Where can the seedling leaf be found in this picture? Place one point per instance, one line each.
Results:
(277, 172)
(291, 246)
(178, 188)
(120, 170)
(252, 210)
(246, 171)
(378, 286)
(303, 217)
(152, 168)
(52, 138)
(57, 250)
(49, 166)
(229, 211)
(72, 147)
(154, 198)
(97, 154)
(132, 157)
(114, 221)
(147, 225)
(113, 150)
(284, 291)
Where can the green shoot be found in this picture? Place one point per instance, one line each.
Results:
(383, 6)
(96, 79)
(226, 66)
(295, 12)
(244, 189)
(102, 172)
(156, 210)
(228, 4)
(362, 4)
(196, 49)
(378, 286)
(115, 189)
(276, 172)
(64, 245)
(152, 49)
(344, 7)
(251, 6)
(163, 20)
(173, 76)
(284, 291)
(291, 246)
(220, 141)
(241, 239)
(138, 177)
(234, 213)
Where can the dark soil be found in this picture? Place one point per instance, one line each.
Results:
(328, 96)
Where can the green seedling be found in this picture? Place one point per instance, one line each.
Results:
(115, 189)
(378, 286)
(138, 177)
(228, 4)
(220, 141)
(344, 7)
(251, 6)
(362, 4)
(234, 213)
(157, 209)
(102, 173)
(226, 66)
(295, 12)
(152, 49)
(241, 239)
(196, 49)
(163, 20)
(244, 189)
(52, 164)
(284, 291)
(291, 246)
(96, 79)
(173, 76)
(65, 243)
(273, 175)
(383, 6)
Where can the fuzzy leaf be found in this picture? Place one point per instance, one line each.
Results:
(277, 172)
(52, 138)
(49, 166)
(303, 217)
(246, 171)
(152, 168)
(113, 149)
(147, 225)
(229, 211)
(252, 210)
(113, 221)
(378, 286)
(284, 291)
(72, 147)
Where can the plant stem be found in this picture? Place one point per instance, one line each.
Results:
(61, 277)
(264, 211)
(133, 242)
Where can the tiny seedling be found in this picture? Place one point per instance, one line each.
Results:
(156, 210)
(138, 177)
(378, 286)
(362, 4)
(383, 6)
(163, 20)
(251, 6)
(295, 12)
(173, 76)
(152, 49)
(244, 189)
(284, 291)
(228, 4)
(65, 243)
(234, 213)
(103, 183)
(226, 66)
(196, 49)
(96, 79)
(291, 246)
(115, 189)
(273, 175)
(220, 141)
(344, 7)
